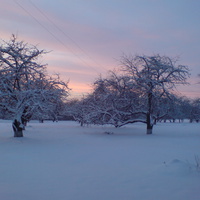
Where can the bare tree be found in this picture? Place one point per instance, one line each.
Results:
(154, 76)
(112, 102)
(25, 86)
(195, 110)
(140, 91)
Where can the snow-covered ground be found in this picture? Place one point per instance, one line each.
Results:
(63, 161)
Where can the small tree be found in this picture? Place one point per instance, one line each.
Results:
(25, 87)
(117, 102)
(112, 102)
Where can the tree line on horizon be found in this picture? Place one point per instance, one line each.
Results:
(140, 90)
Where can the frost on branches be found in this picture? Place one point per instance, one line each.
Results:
(25, 87)
(138, 92)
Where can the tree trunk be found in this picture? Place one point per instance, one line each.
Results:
(41, 120)
(24, 122)
(149, 131)
(149, 124)
(148, 120)
(17, 128)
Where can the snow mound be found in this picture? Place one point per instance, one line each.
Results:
(178, 167)
(176, 161)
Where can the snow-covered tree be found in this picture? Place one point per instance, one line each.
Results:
(174, 108)
(141, 91)
(194, 114)
(155, 77)
(112, 102)
(54, 93)
(25, 87)
(117, 100)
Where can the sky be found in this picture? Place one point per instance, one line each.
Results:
(86, 38)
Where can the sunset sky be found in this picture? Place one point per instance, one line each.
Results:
(86, 38)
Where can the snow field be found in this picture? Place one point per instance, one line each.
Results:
(65, 161)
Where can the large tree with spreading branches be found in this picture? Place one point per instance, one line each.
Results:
(138, 92)
(25, 86)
